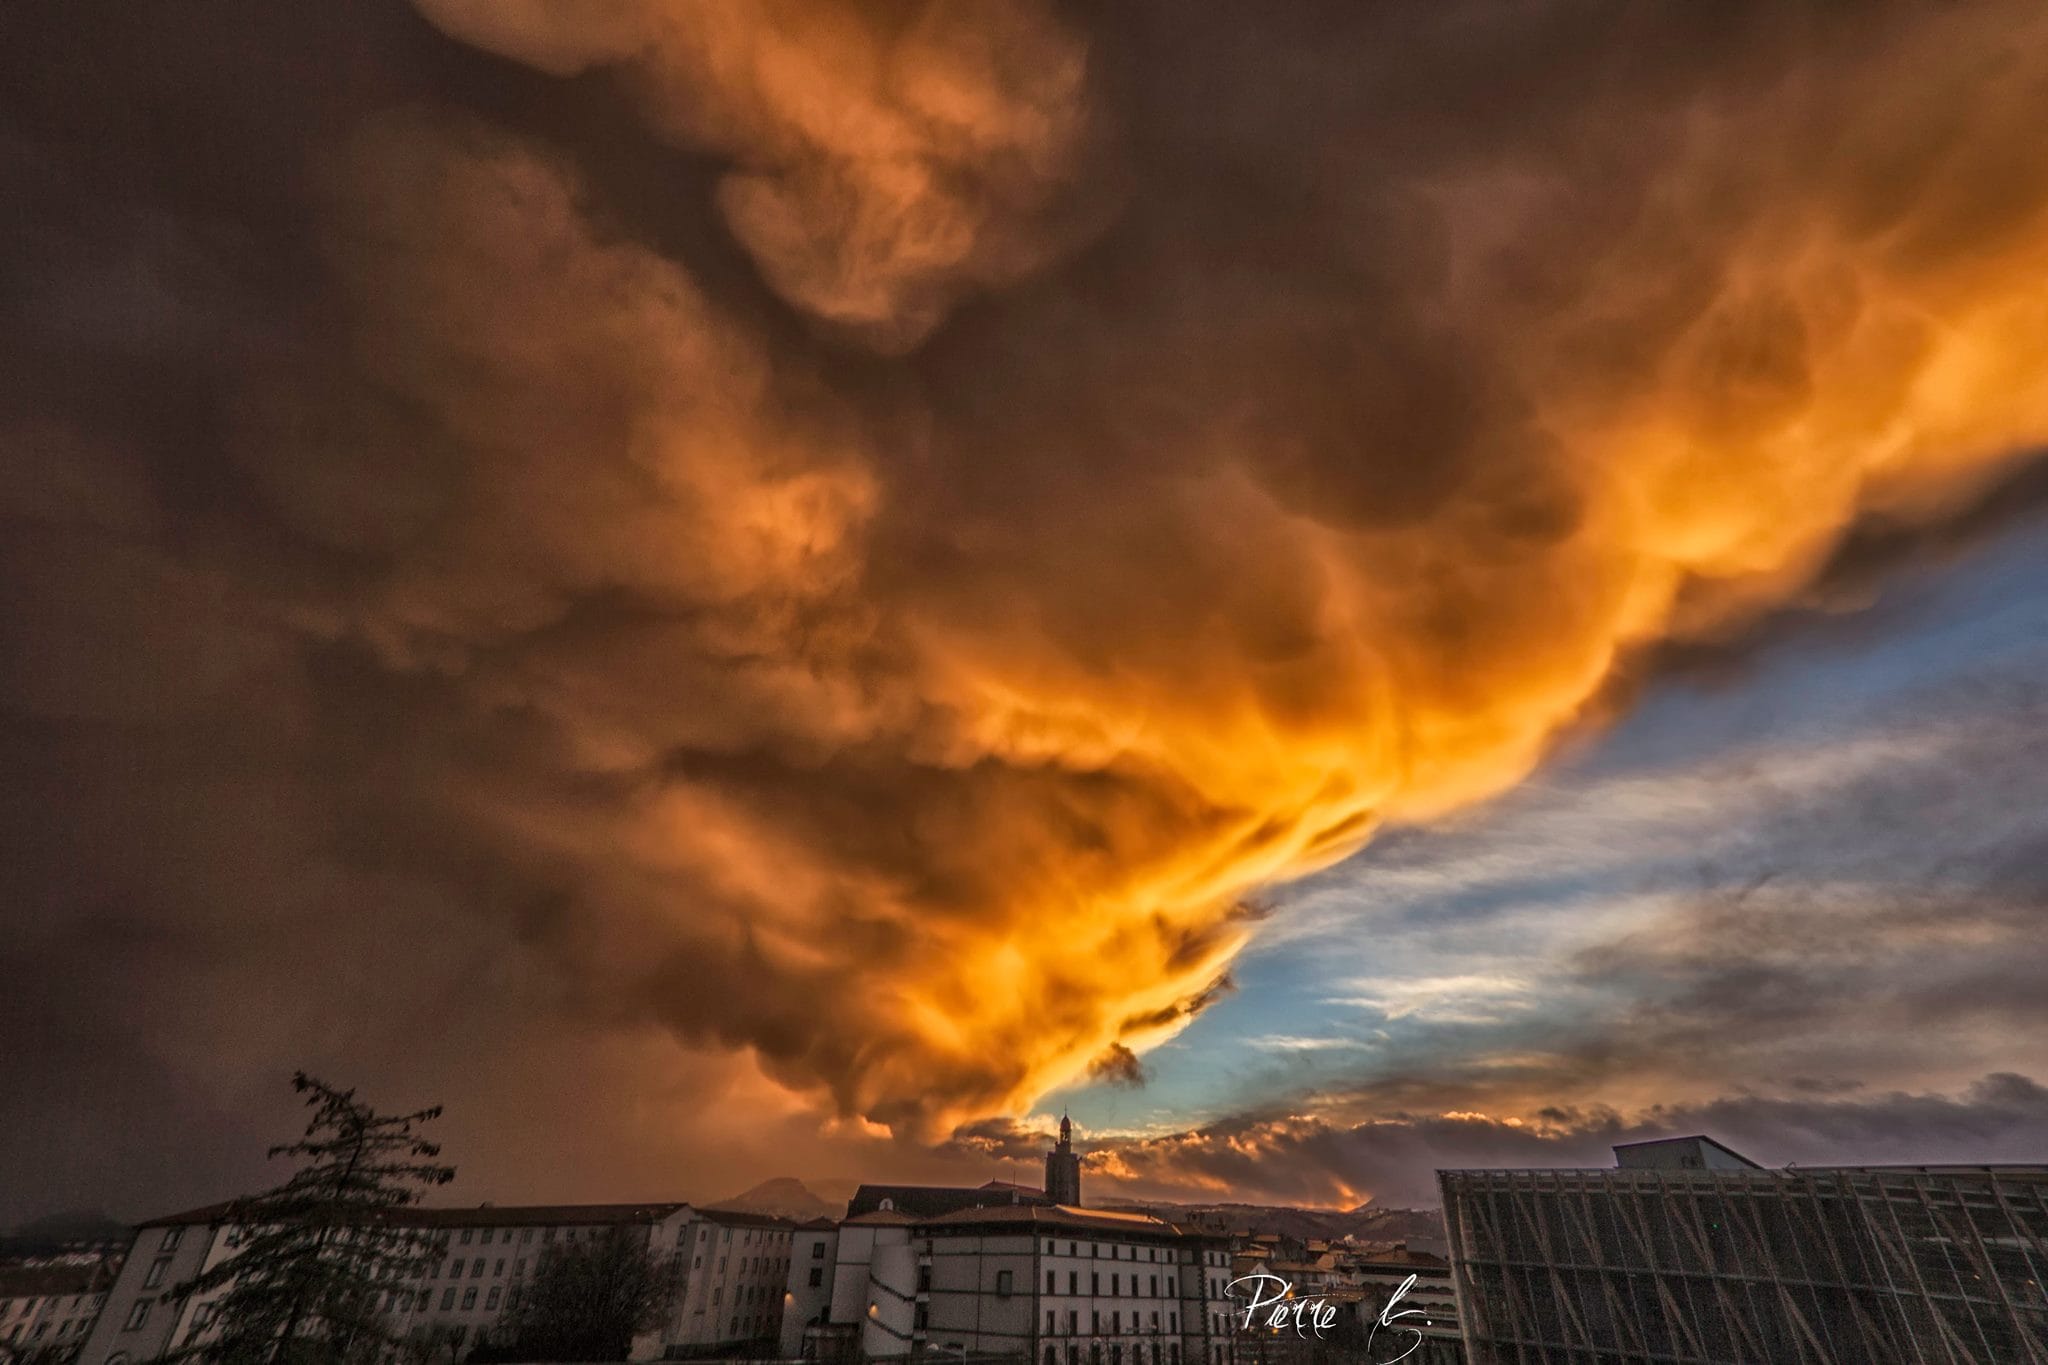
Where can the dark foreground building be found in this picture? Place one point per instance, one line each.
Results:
(1688, 1252)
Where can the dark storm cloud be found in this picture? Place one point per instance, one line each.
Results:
(823, 550)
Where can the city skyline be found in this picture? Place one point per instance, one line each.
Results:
(758, 590)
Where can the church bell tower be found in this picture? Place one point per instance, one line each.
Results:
(1063, 1168)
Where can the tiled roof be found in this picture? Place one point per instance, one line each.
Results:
(536, 1215)
(887, 1218)
(41, 1281)
(929, 1201)
(483, 1215)
(1402, 1257)
(205, 1213)
(745, 1218)
(1063, 1216)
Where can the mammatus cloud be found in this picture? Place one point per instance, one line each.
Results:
(882, 163)
(1159, 454)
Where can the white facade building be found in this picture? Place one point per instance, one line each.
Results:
(736, 1267)
(1054, 1284)
(807, 1299)
(733, 1269)
(50, 1308)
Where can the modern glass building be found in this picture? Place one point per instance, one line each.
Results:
(1687, 1252)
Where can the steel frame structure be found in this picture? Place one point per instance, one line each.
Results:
(1837, 1266)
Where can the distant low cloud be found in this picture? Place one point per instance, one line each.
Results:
(1393, 1160)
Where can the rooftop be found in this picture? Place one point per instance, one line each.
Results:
(1063, 1216)
(42, 1281)
(500, 1215)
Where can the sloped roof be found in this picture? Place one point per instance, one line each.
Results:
(42, 1281)
(489, 1215)
(929, 1201)
(1064, 1217)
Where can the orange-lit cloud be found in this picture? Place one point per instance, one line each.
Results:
(966, 783)
(881, 162)
(866, 536)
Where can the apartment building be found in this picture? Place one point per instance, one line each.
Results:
(807, 1298)
(733, 1267)
(736, 1269)
(50, 1309)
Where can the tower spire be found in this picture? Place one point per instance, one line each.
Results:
(1063, 1166)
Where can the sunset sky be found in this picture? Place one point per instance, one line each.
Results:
(756, 588)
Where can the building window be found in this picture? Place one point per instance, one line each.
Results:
(137, 1315)
(525, 1235)
(491, 1299)
(1115, 1285)
(1052, 1355)
(156, 1272)
(172, 1236)
(498, 1269)
(1155, 1286)
(817, 1251)
(476, 1268)
(1003, 1283)
(447, 1299)
(468, 1234)
(468, 1299)
(455, 1269)
(817, 1276)
(1094, 1282)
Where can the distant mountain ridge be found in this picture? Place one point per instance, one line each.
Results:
(784, 1196)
